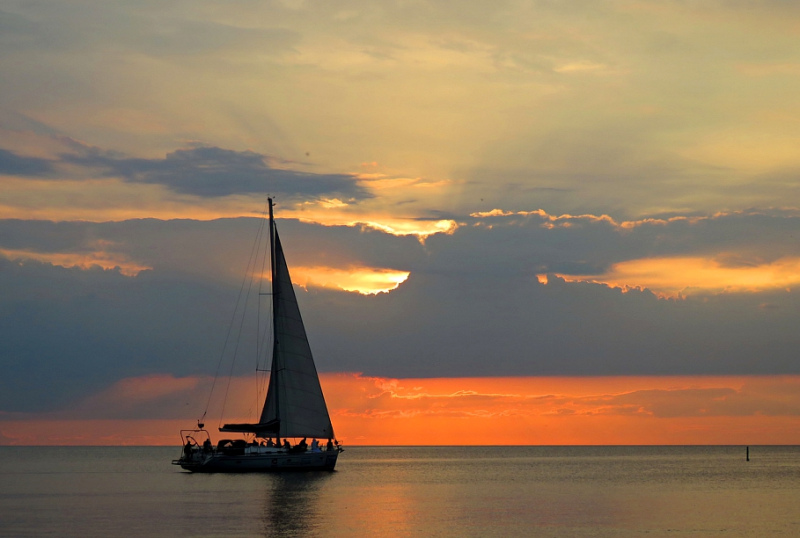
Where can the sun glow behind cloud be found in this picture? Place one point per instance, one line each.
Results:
(384, 223)
(364, 280)
(336, 213)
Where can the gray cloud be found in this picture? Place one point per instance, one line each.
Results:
(67, 332)
(214, 172)
(17, 165)
(437, 325)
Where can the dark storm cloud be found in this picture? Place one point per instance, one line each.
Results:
(17, 165)
(472, 305)
(214, 172)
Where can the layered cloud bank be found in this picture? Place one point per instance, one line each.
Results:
(500, 295)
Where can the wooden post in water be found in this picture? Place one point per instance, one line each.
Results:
(748, 453)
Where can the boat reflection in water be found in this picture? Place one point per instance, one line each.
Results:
(291, 503)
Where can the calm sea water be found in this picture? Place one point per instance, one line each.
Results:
(420, 491)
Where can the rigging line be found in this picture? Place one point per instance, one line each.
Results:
(251, 264)
(251, 271)
(261, 347)
(230, 329)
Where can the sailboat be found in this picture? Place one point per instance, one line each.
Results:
(294, 406)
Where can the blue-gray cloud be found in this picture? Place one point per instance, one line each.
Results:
(68, 332)
(215, 172)
(18, 165)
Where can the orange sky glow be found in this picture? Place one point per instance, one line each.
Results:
(457, 411)
(95, 258)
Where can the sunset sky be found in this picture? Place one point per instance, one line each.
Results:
(522, 222)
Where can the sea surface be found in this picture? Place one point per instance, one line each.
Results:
(649, 491)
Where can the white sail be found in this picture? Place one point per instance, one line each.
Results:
(295, 406)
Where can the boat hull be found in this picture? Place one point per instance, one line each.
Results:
(260, 463)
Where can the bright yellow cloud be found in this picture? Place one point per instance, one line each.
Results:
(681, 276)
(365, 280)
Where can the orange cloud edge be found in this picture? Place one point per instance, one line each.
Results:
(642, 410)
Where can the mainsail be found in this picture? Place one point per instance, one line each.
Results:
(295, 406)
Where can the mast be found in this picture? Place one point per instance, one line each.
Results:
(273, 281)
